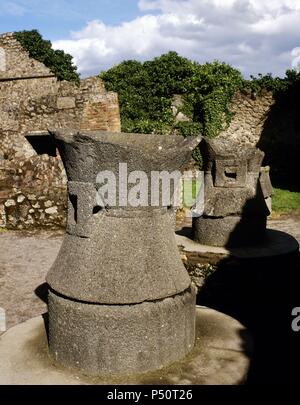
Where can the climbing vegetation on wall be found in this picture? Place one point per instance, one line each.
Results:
(146, 91)
(59, 62)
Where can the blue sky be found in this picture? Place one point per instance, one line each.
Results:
(253, 35)
(55, 19)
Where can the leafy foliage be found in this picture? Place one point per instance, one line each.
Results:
(277, 85)
(146, 91)
(59, 62)
(212, 88)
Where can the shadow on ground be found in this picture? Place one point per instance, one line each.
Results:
(260, 293)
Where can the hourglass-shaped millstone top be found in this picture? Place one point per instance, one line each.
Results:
(85, 154)
(114, 253)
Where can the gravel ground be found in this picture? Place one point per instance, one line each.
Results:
(25, 258)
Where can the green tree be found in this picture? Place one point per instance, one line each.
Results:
(146, 89)
(59, 62)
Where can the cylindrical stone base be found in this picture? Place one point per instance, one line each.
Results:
(121, 339)
(231, 231)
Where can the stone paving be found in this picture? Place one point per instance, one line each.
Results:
(288, 224)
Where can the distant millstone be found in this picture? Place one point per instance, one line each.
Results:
(230, 231)
(236, 195)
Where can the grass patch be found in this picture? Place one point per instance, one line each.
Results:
(285, 201)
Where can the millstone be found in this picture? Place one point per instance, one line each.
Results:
(120, 298)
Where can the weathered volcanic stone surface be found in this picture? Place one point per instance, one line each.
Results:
(221, 355)
(235, 201)
(115, 254)
(223, 150)
(115, 339)
(265, 181)
(127, 259)
(85, 154)
(236, 195)
(120, 299)
(229, 231)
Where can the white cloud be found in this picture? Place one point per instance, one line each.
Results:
(253, 35)
(296, 58)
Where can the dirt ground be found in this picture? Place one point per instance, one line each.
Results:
(25, 258)
(24, 261)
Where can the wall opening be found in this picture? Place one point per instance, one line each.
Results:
(231, 174)
(73, 209)
(42, 144)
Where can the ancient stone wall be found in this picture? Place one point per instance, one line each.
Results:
(32, 178)
(15, 60)
(272, 123)
(250, 112)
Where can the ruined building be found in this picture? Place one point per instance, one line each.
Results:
(32, 178)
